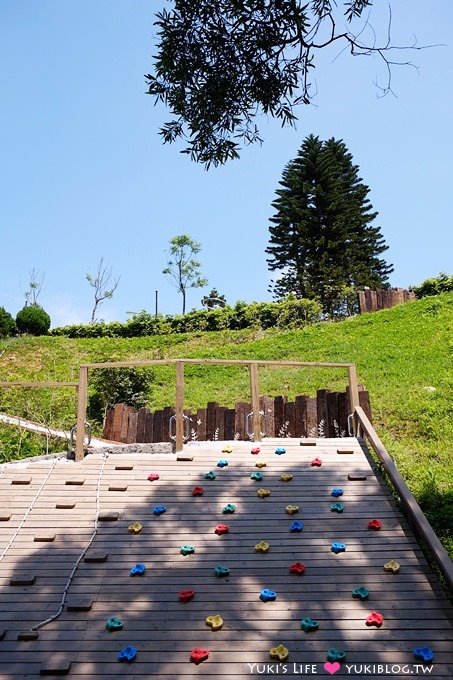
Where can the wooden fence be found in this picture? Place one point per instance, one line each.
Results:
(383, 298)
(324, 415)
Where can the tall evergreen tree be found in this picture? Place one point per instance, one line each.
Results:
(322, 242)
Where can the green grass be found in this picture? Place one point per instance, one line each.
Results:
(403, 358)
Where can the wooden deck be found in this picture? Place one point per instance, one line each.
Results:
(51, 515)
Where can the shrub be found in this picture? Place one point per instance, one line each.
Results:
(33, 319)
(7, 323)
(126, 385)
(442, 283)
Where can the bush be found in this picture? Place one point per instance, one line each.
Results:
(442, 283)
(7, 323)
(33, 319)
(127, 385)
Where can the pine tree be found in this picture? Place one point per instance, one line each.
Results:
(322, 242)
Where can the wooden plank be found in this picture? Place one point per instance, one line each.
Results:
(201, 424)
(149, 427)
(141, 424)
(131, 433)
(210, 420)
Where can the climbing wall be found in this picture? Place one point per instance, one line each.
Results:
(289, 558)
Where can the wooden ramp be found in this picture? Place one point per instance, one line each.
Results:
(65, 525)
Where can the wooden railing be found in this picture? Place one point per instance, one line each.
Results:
(364, 429)
(179, 397)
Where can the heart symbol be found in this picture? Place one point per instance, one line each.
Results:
(332, 667)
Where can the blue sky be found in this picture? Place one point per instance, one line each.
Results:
(84, 174)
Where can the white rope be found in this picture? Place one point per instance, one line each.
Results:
(81, 556)
(24, 519)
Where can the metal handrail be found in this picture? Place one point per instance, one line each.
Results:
(365, 429)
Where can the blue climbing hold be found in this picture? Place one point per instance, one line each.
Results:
(338, 547)
(127, 654)
(257, 476)
(296, 526)
(280, 450)
(220, 571)
(337, 492)
(114, 623)
(159, 509)
(210, 475)
(222, 463)
(337, 507)
(138, 570)
(424, 653)
(267, 595)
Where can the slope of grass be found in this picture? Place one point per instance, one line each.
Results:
(403, 358)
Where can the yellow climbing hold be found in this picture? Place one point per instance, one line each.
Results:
(392, 566)
(227, 449)
(291, 509)
(260, 463)
(216, 622)
(286, 477)
(135, 528)
(262, 493)
(262, 547)
(280, 653)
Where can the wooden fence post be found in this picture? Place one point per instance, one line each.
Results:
(255, 394)
(82, 401)
(179, 405)
(353, 389)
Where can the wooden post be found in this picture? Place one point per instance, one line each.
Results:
(353, 389)
(255, 394)
(82, 400)
(179, 405)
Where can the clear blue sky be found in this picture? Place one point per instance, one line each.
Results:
(84, 174)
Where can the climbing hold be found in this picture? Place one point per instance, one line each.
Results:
(336, 654)
(374, 524)
(267, 595)
(392, 566)
(262, 493)
(337, 492)
(222, 529)
(135, 528)
(260, 463)
(256, 450)
(210, 475)
(227, 449)
(316, 462)
(114, 624)
(297, 568)
(280, 653)
(424, 653)
(292, 509)
(198, 655)
(257, 476)
(338, 547)
(286, 477)
(159, 509)
(374, 619)
(296, 526)
(187, 550)
(153, 476)
(262, 547)
(337, 507)
(360, 592)
(216, 622)
(138, 569)
(198, 491)
(222, 463)
(279, 450)
(186, 595)
(127, 654)
(229, 509)
(308, 625)
(221, 571)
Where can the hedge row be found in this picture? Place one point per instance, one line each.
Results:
(261, 315)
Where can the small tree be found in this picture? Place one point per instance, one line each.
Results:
(33, 319)
(36, 285)
(104, 286)
(7, 323)
(213, 299)
(128, 385)
(182, 267)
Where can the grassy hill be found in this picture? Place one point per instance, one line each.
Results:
(403, 359)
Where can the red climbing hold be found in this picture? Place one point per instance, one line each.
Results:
(374, 524)
(186, 595)
(374, 619)
(199, 655)
(317, 462)
(222, 529)
(153, 476)
(198, 491)
(297, 568)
